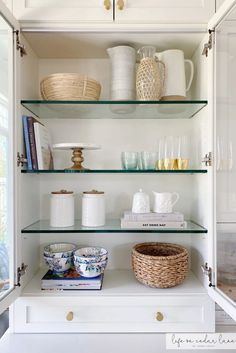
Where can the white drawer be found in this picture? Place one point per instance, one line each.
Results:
(114, 314)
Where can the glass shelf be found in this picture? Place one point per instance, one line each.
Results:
(114, 109)
(114, 171)
(112, 226)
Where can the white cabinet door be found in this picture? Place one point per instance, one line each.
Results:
(8, 3)
(61, 10)
(8, 243)
(219, 3)
(164, 11)
(224, 267)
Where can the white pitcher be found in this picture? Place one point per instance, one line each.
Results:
(164, 201)
(175, 87)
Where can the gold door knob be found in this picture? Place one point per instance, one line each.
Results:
(120, 4)
(107, 4)
(70, 316)
(159, 316)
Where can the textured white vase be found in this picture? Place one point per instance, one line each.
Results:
(123, 59)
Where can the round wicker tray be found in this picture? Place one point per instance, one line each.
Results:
(160, 265)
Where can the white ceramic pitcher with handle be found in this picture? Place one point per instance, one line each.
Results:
(175, 87)
(164, 201)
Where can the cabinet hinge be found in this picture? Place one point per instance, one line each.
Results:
(207, 160)
(21, 160)
(20, 272)
(209, 44)
(208, 272)
(19, 45)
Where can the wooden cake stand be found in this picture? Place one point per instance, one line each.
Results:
(77, 156)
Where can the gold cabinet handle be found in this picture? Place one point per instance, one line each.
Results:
(159, 316)
(107, 4)
(70, 316)
(120, 4)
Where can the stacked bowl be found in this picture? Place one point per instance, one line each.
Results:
(59, 256)
(90, 261)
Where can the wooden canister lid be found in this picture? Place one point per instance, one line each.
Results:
(93, 192)
(62, 192)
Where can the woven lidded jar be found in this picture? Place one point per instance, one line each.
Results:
(150, 75)
(160, 265)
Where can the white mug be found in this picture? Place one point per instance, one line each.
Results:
(164, 201)
(175, 87)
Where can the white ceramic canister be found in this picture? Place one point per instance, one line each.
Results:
(93, 208)
(62, 209)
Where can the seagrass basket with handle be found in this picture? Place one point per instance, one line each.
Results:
(160, 265)
(69, 86)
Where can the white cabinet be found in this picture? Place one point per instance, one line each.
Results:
(63, 11)
(123, 305)
(164, 11)
(219, 3)
(8, 3)
(115, 314)
(125, 11)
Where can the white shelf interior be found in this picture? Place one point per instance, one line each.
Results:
(118, 282)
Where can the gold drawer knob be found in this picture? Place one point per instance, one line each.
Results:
(120, 4)
(107, 4)
(159, 316)
(70, 316)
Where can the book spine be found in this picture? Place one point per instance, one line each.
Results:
(27, 142)
(152, 225)
(154, 217)
(38, 145)
(71, 287)
(32, 142)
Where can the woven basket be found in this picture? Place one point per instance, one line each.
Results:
(69, 87)
(160, 265)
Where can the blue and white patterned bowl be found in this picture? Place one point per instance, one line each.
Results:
(59, 250)
(62, 264)
(93, 269)
(90, 255)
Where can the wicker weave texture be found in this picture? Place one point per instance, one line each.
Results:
(150, 79)
(66, 86)
(160, 265)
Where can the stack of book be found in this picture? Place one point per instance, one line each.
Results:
(153, 220)
(70, 280)
(37, 144)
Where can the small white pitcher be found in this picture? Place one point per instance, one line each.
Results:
(175, 87)
(164, 201)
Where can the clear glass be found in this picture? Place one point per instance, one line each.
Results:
(111, 226)
(104, 109)
(129, 160)
(6, 229)
(225, 156)
(148, 160)
(170, 153)
(147, 51)
(183, 153)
